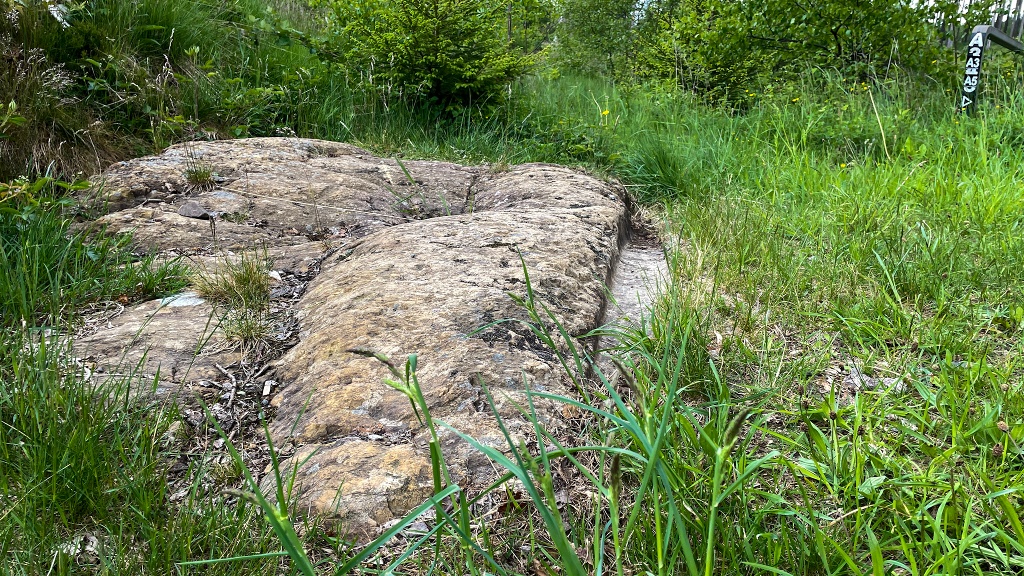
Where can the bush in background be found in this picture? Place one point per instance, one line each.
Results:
(722, 49)
(436, 53)
(99, 80)
(598, 36)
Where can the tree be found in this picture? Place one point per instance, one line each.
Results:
(598, 35)
(840, 32)
(437, 52)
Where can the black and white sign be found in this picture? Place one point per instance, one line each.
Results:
(979, 38)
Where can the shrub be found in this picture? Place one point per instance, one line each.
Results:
(844, 33)
(448, 52)
(99, 80)
(702, 48)
(722, 48)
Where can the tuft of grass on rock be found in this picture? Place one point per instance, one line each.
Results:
(241, 288)
(198, 173)
(241, 283)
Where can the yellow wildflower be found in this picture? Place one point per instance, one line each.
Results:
(605, 113)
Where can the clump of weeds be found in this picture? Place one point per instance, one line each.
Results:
(198, 174)
(240, 289)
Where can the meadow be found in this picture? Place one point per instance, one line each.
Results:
(830, 382)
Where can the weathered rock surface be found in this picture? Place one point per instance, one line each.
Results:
(177, 337)
(424, 255)
(426, 288)
(273, 190)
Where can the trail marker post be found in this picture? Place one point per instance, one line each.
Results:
(980, 37)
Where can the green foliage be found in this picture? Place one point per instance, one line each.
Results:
(703, 46)
(860, 37)
(845, 259)
(41, 92)
(435, 53)
(531, 24)
(722, 48)
(598, 36)
(49, 269)
(10, 118)
(108, 78)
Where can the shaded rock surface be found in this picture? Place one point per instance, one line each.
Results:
(408, 258)
(177, 337)
(639, 277)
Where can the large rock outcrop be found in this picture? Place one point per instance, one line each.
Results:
(421, 259)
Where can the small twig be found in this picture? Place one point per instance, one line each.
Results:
(850, 513)
(234, 384)
(261, 371)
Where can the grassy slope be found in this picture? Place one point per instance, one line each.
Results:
(829, 229)
(827, 226)
(807, 247)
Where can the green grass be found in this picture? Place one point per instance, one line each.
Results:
(49, 269)
(805, 251)
(829, 230)
(830, 383)
(82, 477)
(83, 463)
(240, 289)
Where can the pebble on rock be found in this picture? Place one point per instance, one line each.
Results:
(193, 210)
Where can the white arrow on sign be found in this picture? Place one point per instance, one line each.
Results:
(965, 102)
